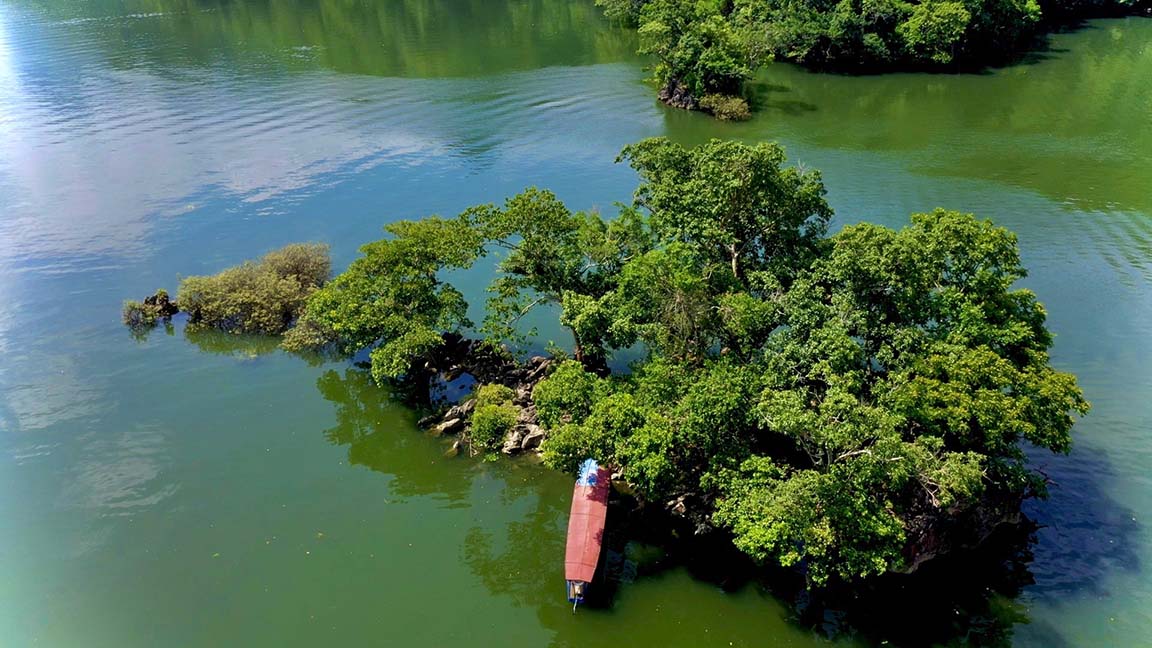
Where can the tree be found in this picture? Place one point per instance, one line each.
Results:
(392, 298)
(828, 400)
(908, 374)
(554, 256)
(695, 47)
(735, 204)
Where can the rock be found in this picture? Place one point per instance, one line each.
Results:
(677, 95)
(533, 436)
(527, 415)
(164, 306)
(512, 441)
(449, 426)
(427, 421)
(454, 450)
(461, 411)
(536, 373)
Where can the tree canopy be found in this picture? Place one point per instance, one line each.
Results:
(823, 395)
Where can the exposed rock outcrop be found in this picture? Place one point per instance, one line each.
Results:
(677, 95)
(164, 306)
(488, 365)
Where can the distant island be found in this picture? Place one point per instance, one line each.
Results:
(707, 50)
(845, 405)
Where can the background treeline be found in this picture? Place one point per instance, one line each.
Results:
(706, 47)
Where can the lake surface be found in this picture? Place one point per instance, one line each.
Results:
(205, 491)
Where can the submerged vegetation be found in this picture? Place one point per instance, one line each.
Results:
(710, 48)
(848, 404)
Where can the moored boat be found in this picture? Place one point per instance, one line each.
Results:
(586, 529)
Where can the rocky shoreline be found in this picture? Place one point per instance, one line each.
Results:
(487, 365)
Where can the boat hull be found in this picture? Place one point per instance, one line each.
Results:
(586, 528)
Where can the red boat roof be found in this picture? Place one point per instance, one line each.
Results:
(586, 525)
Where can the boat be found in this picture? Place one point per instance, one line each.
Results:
(586, 529)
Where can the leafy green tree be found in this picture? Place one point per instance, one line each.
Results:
(553, 256)
(934, 30)
(695, 47)
(392, 298)
(827, 399)
(908, 374)
(735, 204)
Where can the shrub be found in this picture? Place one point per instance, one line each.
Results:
(308, 262)
(494, 394)
(139, 315)
(490, 423)
(494, 416)
(570, 444)
(726, 107)
(265, 296)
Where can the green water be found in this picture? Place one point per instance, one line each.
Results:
(198, 491)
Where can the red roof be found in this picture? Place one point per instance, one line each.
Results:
(586, 528)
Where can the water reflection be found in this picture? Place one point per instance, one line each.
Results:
(381, 435)
(110, 144)
(243, 347)
(409, 38)
(1070, 127)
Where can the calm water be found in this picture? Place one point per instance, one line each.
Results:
(201, 492)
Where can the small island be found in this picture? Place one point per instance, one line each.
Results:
(707, 51)
(845, 405)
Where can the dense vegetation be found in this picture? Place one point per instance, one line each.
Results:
(706, 49)
(264, 296)
(824, 398)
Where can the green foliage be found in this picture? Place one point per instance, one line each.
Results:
(307, 262)
(934, 29)
(494, 416)
(830, 520)
(726, 107)
(392, 296)
(695, 47)
(551, 255)
(735, 204)
(625, 11)
(826, 396)
(264, 297)
(613, 418)
(139, 315)
(494, 394)
(706, 50)
(566, 395)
